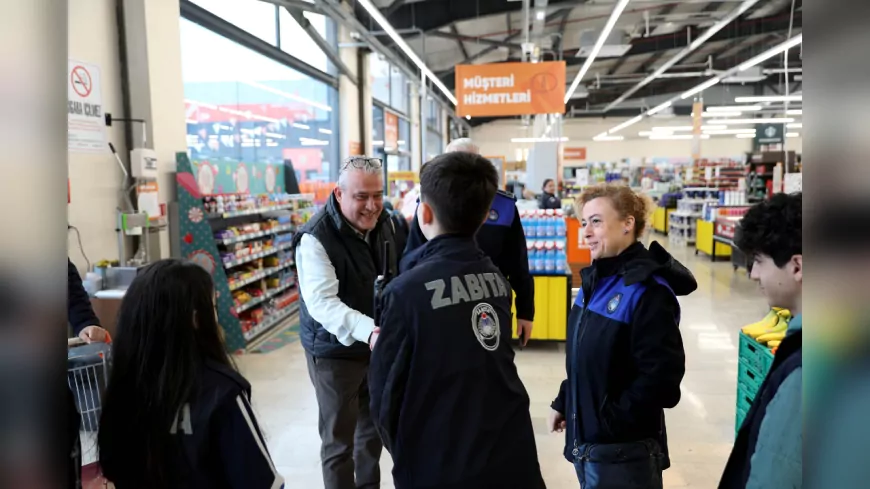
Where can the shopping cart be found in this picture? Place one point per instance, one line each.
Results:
(88, 375)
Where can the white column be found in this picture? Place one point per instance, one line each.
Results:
(417, 123)
(156, 88)
(348, 96)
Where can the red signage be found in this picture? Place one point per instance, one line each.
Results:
(574, 153)
(391, 131)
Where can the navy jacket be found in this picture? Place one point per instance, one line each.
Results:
(502, 239)
(625, 357)
(445, 394)
(78, 308)
(549, 201)
(218, 438)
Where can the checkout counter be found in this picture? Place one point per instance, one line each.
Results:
(106, 302)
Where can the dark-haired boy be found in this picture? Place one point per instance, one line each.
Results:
(446, 396)
(768, 450)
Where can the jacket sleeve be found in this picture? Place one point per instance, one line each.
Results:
(79, 311)
(519, 277)
(778, 459)
(559, 403)
(388, 371)
(659, 358)
(415, 236)
(242, 450)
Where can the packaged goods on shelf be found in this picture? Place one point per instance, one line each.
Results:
(545, 232)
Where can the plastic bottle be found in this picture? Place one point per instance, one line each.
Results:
(550, 257)
(530, 226)
(539, 257)
(530, 251)
(560, 229)
(561, 258)
(549, 223)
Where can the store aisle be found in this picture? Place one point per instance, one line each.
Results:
(700, 429)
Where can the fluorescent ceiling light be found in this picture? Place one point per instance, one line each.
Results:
(388, 28)
(324, 131)
(539, 15)
(608, 138)
(769, 98)
(744, 136)
(732, 113)
(377, 143)
(538, 140)
(730, 131)
(313, 142)
(746, 5)
(781, 48)
(733, 108)
(625, 124)
(795, 125)
(468, 117)
(769, 120)
(673, 128)
(656, 110)
(300, 126)
(794, 112)
(792, 135)
(700, 88)
(677, 136)
(617, 11)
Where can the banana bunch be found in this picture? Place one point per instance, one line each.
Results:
(771, 330)
(773, 322)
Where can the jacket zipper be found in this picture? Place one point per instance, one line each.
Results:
(576, 450)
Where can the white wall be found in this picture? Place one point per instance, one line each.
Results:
(495, 139)
(95, 178)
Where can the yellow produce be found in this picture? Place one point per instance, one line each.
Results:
(760, 327)
(776, 334)
(783, 313)
(773, 343)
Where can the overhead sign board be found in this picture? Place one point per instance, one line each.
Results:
(576, 154)
(769, 134)
(506, 89)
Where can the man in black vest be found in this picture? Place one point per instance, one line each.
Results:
(338, 257)
(768, 451)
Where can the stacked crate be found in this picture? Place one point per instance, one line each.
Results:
(754, 362)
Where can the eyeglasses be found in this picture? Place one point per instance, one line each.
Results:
(362, 162)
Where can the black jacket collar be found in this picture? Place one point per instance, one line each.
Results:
(637, 264)
(445, 244)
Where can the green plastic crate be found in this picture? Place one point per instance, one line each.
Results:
(750, 378)
(754, 354)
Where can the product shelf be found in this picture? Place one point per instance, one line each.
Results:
(263, 298)
(256, 256)
(260, 234)
(270, 322)
(250, 212)
(261, 275)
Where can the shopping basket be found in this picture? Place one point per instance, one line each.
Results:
(88, 375)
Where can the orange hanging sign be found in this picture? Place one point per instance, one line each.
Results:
(574, 153)
(391, 131)
(504, 89)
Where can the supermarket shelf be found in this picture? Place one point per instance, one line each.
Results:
(724, 240)
(263, 298)
(256, 256)
(686, 214)
(271, 322)
(261, 275)
(682, 226)
(260, 234)
(250, 212)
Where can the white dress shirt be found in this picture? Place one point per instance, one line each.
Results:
(319, 288)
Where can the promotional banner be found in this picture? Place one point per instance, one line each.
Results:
(505, 89)
(697, 121)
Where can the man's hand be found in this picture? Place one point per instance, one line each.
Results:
(373, 338)
(95, 334)
(556, 421)
(524, 330)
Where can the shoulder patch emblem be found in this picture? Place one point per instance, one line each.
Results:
(493, 215)
(613, 303)
(484, 322)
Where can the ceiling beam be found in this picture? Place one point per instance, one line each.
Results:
(461, 44)
(393, 7)
(324, 46)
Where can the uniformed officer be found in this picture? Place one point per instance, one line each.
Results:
(502, 239)
(445, 393)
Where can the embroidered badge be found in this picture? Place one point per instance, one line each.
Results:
(493, 215)
(613, 303)
(484, 322)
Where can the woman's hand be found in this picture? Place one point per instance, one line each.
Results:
(556, 422)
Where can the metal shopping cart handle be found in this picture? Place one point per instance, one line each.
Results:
(71, 342)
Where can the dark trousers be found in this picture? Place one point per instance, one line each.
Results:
(350, 444)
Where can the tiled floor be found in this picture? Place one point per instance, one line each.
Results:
(700, 428)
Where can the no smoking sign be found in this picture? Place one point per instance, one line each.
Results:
(81, 81)
(86, 127)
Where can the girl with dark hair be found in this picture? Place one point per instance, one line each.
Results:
(548, 199)
(176, 413)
